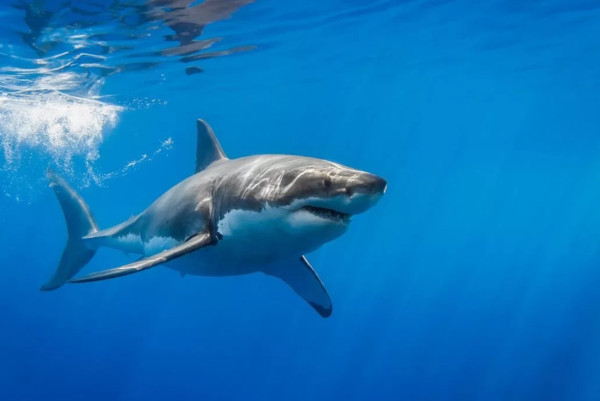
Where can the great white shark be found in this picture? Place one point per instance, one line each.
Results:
(233, 216)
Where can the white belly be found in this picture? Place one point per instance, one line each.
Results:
(245, 252)
(250, 241)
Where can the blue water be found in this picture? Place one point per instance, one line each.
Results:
(476, 277)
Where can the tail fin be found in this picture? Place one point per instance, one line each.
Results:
(79, 224)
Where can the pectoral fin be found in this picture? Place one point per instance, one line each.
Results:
(304, 281)
(194, 243)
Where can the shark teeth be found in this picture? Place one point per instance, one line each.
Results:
(327, 213)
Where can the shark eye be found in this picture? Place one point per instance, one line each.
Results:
(327, 182)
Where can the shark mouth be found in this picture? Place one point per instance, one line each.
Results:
(328, 214)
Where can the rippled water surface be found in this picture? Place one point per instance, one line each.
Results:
(475, 278)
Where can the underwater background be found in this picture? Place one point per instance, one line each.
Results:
(476, 277)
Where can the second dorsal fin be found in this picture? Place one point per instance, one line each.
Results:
(208, 148)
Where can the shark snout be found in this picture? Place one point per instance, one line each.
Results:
(367, 184)
(360, 193)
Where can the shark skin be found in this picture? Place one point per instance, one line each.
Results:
(239, 216)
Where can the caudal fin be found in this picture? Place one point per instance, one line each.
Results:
(79, 224)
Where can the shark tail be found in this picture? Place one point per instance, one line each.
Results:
(79, 224)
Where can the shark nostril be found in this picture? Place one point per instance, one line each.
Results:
(349, 191)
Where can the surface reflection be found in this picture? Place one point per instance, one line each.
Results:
(133, 35)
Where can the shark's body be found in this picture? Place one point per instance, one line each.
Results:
(252, 214)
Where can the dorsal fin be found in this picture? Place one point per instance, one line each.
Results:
(208, 148)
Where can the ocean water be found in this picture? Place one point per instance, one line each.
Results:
(476, 277)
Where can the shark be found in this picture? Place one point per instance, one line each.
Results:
(254, 214)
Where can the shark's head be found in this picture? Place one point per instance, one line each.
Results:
(328, 192)
(301, 201)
